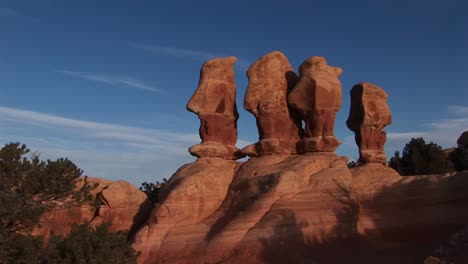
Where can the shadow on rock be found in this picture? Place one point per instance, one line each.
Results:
(243, 194)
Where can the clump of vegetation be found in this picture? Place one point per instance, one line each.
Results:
(153, 190)
(29, 188)
(353, 164)
(89, 245)
(459, 158)
(420, 158)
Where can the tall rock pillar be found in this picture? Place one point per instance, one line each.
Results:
(214, 102)
(368, 116)
(271, 78)
(317, 97)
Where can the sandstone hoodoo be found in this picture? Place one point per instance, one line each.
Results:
(294, 200)
(317, 97)
(271, 78)
(214, 101)
(368, 115)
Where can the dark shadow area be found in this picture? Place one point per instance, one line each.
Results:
(140, 218)
(286, 244)
(146, 208)
(413, 220)
(242, 194)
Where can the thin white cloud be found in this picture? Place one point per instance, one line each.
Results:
(444, 132)
(404, 135)
(193, 54)
(188, 53)
(106, 150)
(11, 13)
(8, 12)
(458, 109)
(153, 138)
(449, 123)
(114, 80)
(95, 129)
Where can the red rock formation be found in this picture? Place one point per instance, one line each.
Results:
(270, 80)
(121, 205)
(368, 115)
(303, 209)
(214, 102)
(317, 96)
(300, 208)
(192, 194)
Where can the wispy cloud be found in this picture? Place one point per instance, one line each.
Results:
(444, 132)
(404, 135)
(107, 150)
(458, 109)
(114, 80)
(193, 54)
(8, 12)
(99, 130)
(187, 53)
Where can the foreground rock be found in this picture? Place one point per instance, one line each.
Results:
(192, 194)
(303, 209)
(119, 204)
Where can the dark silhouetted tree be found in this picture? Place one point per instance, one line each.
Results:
(395, 162)
(420, 158)
(89, 245)
(153, 190)
(353, 164)
(459, 158)
(29, 188)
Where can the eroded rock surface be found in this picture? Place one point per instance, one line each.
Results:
(317, 97)
(271, 78)
(214, 101)
(119, 204)
(192, 194)
(368, 115)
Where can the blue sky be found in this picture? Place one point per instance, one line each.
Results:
(105, 83)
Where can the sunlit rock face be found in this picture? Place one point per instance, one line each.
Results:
(271, 78)
(294, 200)
(119, 204)
(317, 97)
(368, 115)
(214, 101)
